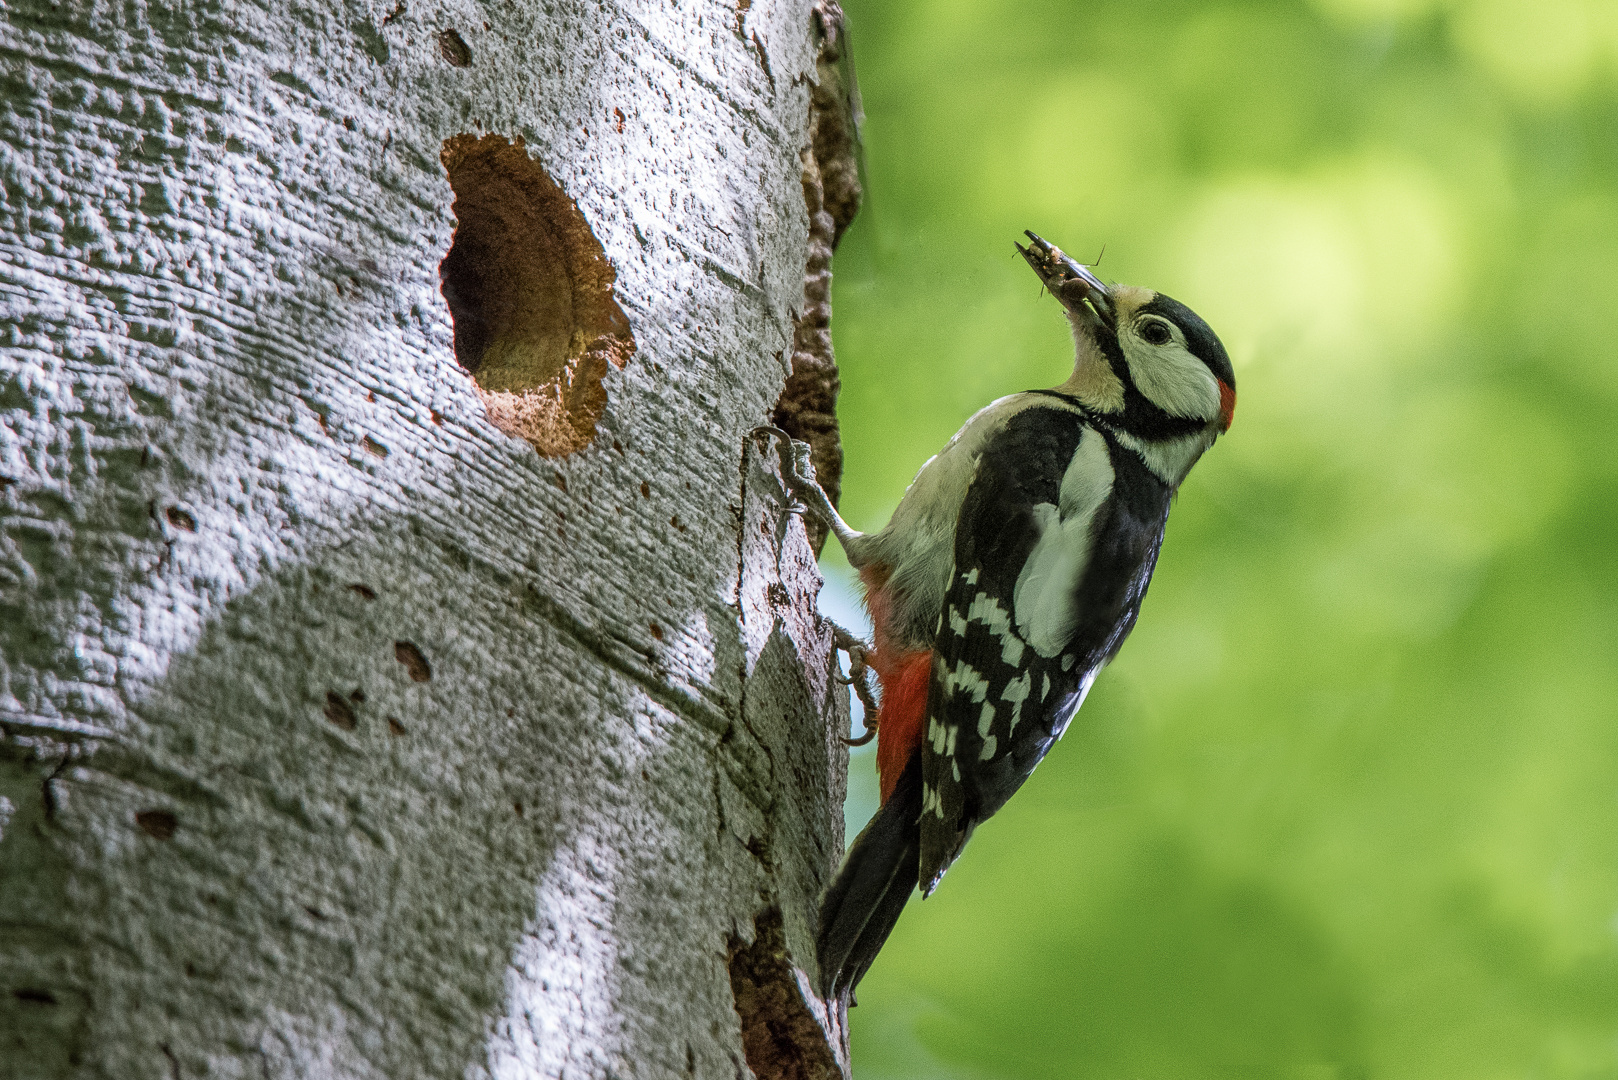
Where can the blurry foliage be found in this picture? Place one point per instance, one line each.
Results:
(1347, 804)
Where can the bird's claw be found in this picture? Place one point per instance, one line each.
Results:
(800, 472)
(797, 470)
(859, 677)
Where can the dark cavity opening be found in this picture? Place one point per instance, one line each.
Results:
(529, 290)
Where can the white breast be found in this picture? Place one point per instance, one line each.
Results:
(919, 540)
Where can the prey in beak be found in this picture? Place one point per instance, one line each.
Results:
(1071, 282)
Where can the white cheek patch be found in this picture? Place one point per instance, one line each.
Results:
(1045, 598)
(1171, 378)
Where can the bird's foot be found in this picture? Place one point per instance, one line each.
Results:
(798, 473)
(859, 677)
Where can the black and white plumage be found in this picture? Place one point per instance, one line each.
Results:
(1013, 569)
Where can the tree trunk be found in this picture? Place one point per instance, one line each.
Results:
(413, 671)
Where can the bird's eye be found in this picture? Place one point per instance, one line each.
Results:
(1155, 332)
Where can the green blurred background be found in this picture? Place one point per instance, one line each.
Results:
(1347, 804)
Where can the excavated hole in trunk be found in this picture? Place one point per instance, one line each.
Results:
(781, 1038)
(530, 293)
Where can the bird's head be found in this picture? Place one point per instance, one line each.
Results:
(1145, 361)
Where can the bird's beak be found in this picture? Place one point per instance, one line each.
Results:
(1070, 281)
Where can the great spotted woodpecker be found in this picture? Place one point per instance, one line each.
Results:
(1009, 575)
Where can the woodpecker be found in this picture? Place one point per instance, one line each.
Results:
(1009, 575)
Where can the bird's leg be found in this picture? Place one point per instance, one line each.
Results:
(799, 472)
(803, 486)
(859, 677)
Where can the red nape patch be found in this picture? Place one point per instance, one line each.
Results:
(1227, 405)
(904, 706)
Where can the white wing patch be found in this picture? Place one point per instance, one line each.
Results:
(1017, 691)
(987, 610)
(1045, 598)
(942, 737)
(965, 677)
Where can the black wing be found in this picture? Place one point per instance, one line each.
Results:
(996, 703)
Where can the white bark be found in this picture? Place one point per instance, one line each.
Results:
(344, 733)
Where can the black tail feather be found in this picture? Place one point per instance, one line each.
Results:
(871, 887)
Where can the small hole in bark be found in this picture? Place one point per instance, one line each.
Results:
(373, 447)
(394, 727)
(645, 490)
(415, 663)
(315, 913)
(339, 711)
(560, 481)
(781, 1039)
(34, 995)
(619, 113)
(529, 290)
(657, 631)
(453, 48)
(365, 592)
(180, 519)
(438, 417)
(517, 806)
(357, 696)
(158, 824)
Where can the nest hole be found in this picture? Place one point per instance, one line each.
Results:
(529, 290)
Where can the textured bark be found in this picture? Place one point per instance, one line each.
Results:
(807, 409)
(381, 694)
